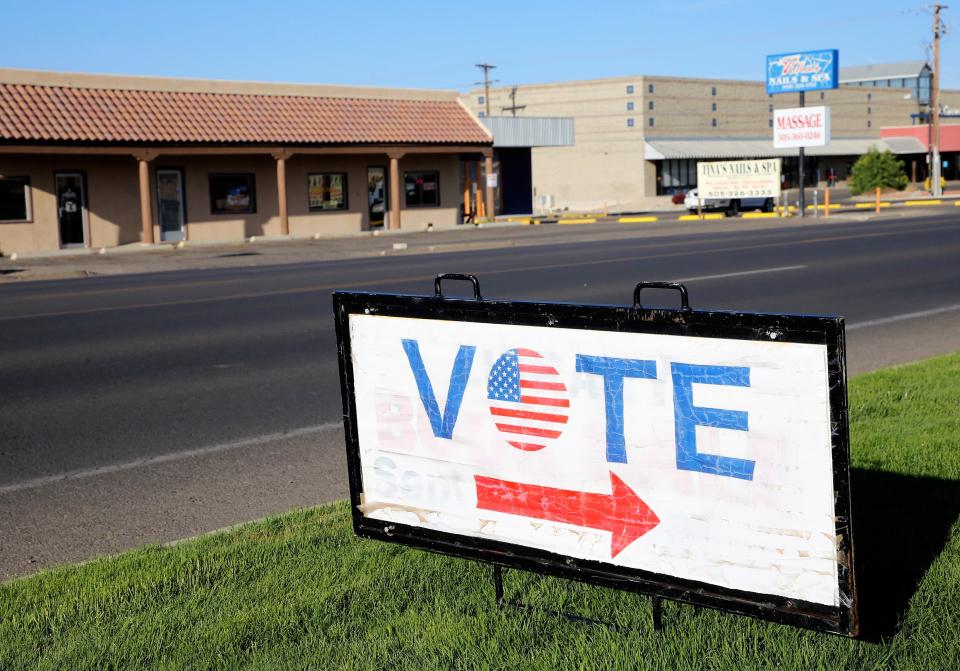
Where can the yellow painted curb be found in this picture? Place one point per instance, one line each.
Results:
(932, 201)
(519, 220)
(694, 217)
(957, 203)
(759, 215)
(576, 221)
(791, 208)
(870, 206)
(643, 220)
(833, 206)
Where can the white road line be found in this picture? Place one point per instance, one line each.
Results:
(81, 474)
(760, 271)
(900, 318)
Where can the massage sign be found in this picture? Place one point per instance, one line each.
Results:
(699, 456)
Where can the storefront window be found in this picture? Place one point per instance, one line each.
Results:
(422, 188)
(327, 191)
(233, 194)
(923, 94)
(677, 175)
(14, 199)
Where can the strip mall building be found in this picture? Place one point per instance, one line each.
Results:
(98, 161)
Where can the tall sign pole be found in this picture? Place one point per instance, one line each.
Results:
(798, 73)
(803, 196)
(935, 104)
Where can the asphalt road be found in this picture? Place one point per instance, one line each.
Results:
(146, 408)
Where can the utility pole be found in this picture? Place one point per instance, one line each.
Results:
(935, 103)
(513, 107)
(486, 67)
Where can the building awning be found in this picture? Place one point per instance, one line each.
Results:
(920, 134)
(710, 148)
(530, 131)
(63, 108)
(905, 145)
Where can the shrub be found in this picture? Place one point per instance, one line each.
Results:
(875, 169)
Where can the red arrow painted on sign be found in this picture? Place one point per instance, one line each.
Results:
(622, 512)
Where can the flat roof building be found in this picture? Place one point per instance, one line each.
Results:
(639, 138)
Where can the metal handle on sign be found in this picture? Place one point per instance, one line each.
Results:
(684, 298)
(438, 293)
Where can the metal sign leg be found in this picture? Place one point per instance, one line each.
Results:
(498, 583)
(519, 605)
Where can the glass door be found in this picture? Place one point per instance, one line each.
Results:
(170, 204)
(377, 194)
(71, 208)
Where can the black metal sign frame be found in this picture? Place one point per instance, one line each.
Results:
(820, 330)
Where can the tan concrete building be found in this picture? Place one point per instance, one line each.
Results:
(97, 161)
(638, 139)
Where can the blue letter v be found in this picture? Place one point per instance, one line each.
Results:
(442, 427)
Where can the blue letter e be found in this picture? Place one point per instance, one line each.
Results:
(687, 417)
(442, 426)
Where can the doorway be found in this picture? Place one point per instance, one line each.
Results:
(71, 208)
(377, 195)
(170, 205)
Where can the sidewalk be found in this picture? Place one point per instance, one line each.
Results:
(162, 257)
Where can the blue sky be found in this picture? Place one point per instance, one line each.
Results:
(418, 43)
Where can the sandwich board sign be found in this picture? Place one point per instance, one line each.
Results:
(699, 456)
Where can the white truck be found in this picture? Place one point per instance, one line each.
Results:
(729, 205)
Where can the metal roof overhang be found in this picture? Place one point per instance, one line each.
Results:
(530, 131)
(674, 148)
(863, 73)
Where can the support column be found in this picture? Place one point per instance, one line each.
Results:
(282, 193)
(146, 209)
(395, 191)
(478, 196)
(467, 206)
(488, 170)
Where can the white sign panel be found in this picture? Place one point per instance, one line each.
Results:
(801, 127)
(739, 179)
(705, 459)
(492, 180)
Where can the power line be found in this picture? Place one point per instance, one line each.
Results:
(513, 107)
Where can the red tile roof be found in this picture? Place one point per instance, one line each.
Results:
(35, 113)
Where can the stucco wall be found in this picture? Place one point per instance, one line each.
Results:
(113, 197)
(589, 176)
(447, 214)
(112, 200)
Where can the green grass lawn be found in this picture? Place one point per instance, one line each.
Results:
(298, 591)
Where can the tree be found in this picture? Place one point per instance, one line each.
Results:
(875, 169)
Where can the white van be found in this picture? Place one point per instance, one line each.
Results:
(730, 206)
